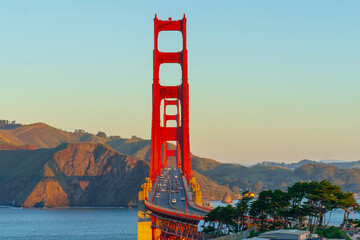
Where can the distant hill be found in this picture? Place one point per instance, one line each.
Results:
(260, 177)
(203, 164)
(346, 165)
(135, 147)
(8, 140)
(44, 136)
(236, 176)
(348, 179)
(210, 189)
(81, 174)
(292, 166)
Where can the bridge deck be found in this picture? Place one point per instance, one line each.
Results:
(170, 193)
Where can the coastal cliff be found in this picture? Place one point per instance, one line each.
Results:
(80, 174)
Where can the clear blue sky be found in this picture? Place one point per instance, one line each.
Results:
(269, 80)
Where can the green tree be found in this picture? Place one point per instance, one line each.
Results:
(220, 221)
(280, 205)
(310, 200)
(260, 209)
(321, 198)
(296, 194)
(347, 202)
(242, 209)
(101, 134)
(355, 222)
(328, 201)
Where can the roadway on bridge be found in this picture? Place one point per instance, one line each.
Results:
(170, 192)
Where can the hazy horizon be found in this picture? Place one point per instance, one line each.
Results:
(269, 81)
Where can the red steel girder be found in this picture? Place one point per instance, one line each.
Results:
(172, 228)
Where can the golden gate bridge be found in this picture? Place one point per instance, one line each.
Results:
(170, 203)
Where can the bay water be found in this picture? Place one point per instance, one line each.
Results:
(83, 223)
(68, 223)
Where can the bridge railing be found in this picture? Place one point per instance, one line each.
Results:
(191, 202)
(175, 212)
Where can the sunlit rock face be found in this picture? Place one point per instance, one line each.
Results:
(81, 174)
(227, 199)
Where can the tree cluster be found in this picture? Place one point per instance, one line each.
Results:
(81, 131)
(4, 122)
(229, 219)
(101, 134)
(283, 209)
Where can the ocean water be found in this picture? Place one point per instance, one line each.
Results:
(68, 223)
(83, 223)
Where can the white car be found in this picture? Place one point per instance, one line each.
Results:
(173, 200)
(182, 199)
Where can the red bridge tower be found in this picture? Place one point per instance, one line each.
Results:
(170, 95)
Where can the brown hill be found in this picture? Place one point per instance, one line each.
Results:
(348, 179)
(260, 177)
(203, 164)
(8, 140)
(15, 147)
(44, 136)
(135, 147)
(82, 174)
(210, 189)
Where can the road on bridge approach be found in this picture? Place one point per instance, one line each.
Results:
(170, 192)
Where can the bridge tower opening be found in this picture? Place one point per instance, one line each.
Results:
(171, 96)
